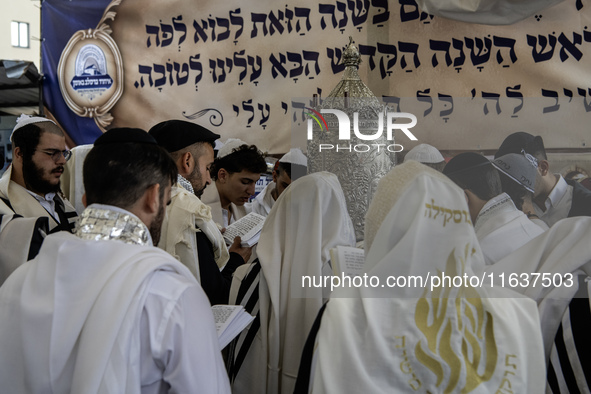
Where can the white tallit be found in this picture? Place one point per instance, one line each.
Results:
(20, 240)
(23, 203)
(67, 341)
(406, 340)
(308, 219)
(563, 249)
(186, 215)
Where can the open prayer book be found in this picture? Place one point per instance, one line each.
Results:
(230, 320)
(348, 260)
(248, 228)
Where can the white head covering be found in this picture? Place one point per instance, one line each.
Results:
(424, 153)
(295, 156)
(24, 120)
(229, 146)
(404, 339)
(308, 219)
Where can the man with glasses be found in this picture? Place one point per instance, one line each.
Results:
(30, 187)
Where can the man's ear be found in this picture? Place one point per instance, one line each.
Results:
(223, 175)
(274, 176)
(544, 167)
(84, 200)
(152, 199)
(17, 152)
(185, 164)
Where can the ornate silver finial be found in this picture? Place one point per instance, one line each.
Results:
(358, 170)
(351, 55)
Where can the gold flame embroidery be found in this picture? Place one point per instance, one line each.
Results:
(471, 322)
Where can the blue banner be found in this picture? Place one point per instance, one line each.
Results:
(60, 19)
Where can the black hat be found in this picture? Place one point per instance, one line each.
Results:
(519, 141)
(174, 135)
(465, 161)
(125, 134)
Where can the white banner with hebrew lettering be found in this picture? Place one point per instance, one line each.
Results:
(236, 67)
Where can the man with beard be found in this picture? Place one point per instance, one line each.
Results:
(30, 187)
(189, 233)
(103, 310)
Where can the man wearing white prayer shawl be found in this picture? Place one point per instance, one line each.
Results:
(188, 231)
(30, 187)
(292, 166)
(562, 259)
(308, 219)
(411, 338)
(500, 227)
(103, 310)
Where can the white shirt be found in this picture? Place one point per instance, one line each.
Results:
(47, 203)
(172, 338)
(558, 203)
(501, 228)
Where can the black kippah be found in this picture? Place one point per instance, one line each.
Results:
(124, 135)
(465, 161)
(519, 141)
(174, 135)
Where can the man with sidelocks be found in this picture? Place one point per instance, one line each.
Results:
(103, 310)
(30, 202)
(30, 187)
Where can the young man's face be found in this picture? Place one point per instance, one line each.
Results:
(42, 173)
(200, 177)
(282, 181)
(239, 186)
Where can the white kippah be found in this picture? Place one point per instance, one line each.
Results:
(229, 146)
(24, 120)
(295, 156)
(424, 153)
(218, 145)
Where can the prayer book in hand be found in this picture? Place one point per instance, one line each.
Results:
(247, 228)
(230, 320)
(347, 260)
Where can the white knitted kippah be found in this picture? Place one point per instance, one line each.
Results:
(24, 120)
(295, 156)
(424, 153)
(229, 146)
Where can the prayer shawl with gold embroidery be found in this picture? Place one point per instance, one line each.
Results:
(411, 338)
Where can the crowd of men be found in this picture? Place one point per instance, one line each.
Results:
(116, 297)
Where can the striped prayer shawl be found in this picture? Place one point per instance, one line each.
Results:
(248, 296)
(20, 241)
(569, 369)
